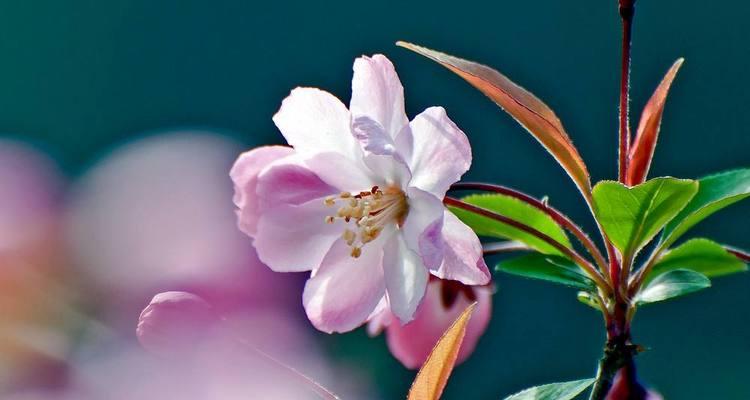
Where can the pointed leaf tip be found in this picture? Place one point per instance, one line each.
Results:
(632, 216)
(642, 151)
(434, 374)
(535, 116)
(554, 391)
(672, 284)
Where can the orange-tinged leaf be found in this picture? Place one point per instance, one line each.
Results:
(642, 151)
(432, 377)
(523, 106)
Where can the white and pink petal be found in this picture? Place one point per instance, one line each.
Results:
(244, 175)
(377, 93)
(441, 153)
(314, 121)
(405, 278)
(463, 259)
(423, 226)
(293, 238)
(344, 291)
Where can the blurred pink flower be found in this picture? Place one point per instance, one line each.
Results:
(358, 200)
(443, 303)
(30, 185)
(35, 320)
(156, 215)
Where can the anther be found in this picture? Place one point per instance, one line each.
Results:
(356, 252)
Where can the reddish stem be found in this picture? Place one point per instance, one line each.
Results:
(627, 10)
(568, 252)
(739, 254)
(557, 216)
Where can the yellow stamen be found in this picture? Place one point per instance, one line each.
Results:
(371, 211)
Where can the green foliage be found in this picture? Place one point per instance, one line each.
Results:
(548, 268)
(517, 210)
(700, 255)
(553, 391)
(632, 216)
(714, 193)
(588, 299)
(672, 284)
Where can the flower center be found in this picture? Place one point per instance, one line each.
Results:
(370, 212)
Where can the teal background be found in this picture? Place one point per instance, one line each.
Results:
(79, 77)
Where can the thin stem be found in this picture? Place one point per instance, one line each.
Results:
(557, 216)
(738, 253)
(504, 247)
(640, 276)
(570, 253)
(627, 11)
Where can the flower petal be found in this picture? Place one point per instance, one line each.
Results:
(379, 319)
(377, 93)
(412, 343)
(344, 292)
(441, 152)
(290, 181)
(244, 174)
(423, 226)
(405, 278)
(293, 238)
(315, 121)
(462, 254)
(380, 153)
(342, 173)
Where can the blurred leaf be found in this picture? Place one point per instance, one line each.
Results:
(547, 268)
(553, 391)
(700, 255)
(631, 216)
(642, 151)
(714, 193)
(517, 210)
(588, 299)
(523, 106)
(432, 377)
(672, 284)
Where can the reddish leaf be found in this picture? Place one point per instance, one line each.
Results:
(523, 106)
(642, 151)
(432, 377)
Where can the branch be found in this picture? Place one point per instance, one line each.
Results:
(570, 253)
(557, 216)
(504, 247)
(627, 10)
(741, 254)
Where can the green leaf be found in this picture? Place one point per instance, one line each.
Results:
(553, 391)
(672, 284)
(632, 216)
(547, 268)
(535, 116)
(588, 299)
(517, 210)
(700, 255)
(715, 192)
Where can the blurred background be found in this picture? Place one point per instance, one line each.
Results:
(119, 121)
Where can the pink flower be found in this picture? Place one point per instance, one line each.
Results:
(443, 303)
(357, 200)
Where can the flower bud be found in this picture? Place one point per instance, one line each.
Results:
(175, 322)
